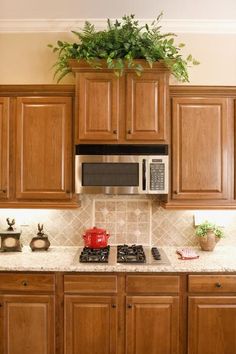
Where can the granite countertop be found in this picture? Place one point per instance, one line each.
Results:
(66, 259)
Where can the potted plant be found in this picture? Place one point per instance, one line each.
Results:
(208, 234)
(121, 45)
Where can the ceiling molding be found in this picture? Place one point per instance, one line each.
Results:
(66, 25)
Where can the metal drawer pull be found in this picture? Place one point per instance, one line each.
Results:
(218, 285)
(24, 283)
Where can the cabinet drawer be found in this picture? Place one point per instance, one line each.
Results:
(27, 282)
(90, 284)
(150, 284)
(212, 283)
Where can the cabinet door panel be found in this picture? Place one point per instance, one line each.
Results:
(200, 148)
(147, 106)
(44, 148)
(4, 148)
(90, 325)
(212, 325)
(98, 106)
(152, 325)
(28, 324)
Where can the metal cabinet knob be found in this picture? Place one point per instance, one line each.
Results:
(129, 131)
(114, 131)
(218, 285)
(175, 192)
(129, 306)
(113, 306)
(4, 191)
(1, 305)
(24, 283)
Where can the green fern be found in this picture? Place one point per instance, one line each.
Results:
(120, 44)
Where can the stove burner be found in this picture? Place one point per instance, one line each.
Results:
(130, 254)
(94, 255)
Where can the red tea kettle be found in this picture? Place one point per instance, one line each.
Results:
(95, 238)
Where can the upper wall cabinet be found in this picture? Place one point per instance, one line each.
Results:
(201, 152)
(44, 148)
(125, 109)
(4, 147)
(36, 146)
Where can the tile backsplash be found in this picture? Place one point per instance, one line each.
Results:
(128, 219)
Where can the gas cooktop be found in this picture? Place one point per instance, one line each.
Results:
(125, 254)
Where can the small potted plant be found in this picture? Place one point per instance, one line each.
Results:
(123, 44)
(208, 234)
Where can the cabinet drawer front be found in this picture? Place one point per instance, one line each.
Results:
(212, 283)
(90, 284)
(151, 284)
(27, 282)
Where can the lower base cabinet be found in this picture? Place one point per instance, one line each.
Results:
(152, 325)
(27, 324)
(212, 325)
(90, 325)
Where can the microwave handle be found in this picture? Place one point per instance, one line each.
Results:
(144, 175)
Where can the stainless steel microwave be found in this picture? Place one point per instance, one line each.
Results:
(121, 169)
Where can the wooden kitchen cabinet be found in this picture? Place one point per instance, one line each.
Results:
(212, 325)
(44, 148)
(152, 325)
(27, 323)
(126, 109)
(4, 147)
(146, 107)
(27, 313)
(98, 106)
(36, 140)
(202, 139)
(91, 324)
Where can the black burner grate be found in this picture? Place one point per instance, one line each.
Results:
(94, 255)
(130, 254)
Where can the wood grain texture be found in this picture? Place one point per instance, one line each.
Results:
(4, 148)
(44, 148)
(28, 324)
(90, 324)
(147, 106)
(212, 283)
(27, 282)
(152, 325)
(200, 148)
(90, 284)
(98, 106)
(152, 284)
(212, 325)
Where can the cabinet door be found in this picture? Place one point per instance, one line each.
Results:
(90, 325)
(212, 325)
(152, 325)
(4, 148)
(200, 148)
(98, 106)
(147, 106)
(27, 324)
(44, 148)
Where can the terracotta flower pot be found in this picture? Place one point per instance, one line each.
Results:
(209, 241)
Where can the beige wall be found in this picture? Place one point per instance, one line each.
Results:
(26, 59)
(106, 8)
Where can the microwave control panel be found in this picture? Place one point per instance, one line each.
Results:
(157, 176)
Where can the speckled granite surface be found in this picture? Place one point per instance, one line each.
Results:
(66, 259)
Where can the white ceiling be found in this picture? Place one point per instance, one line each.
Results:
(75, 9)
